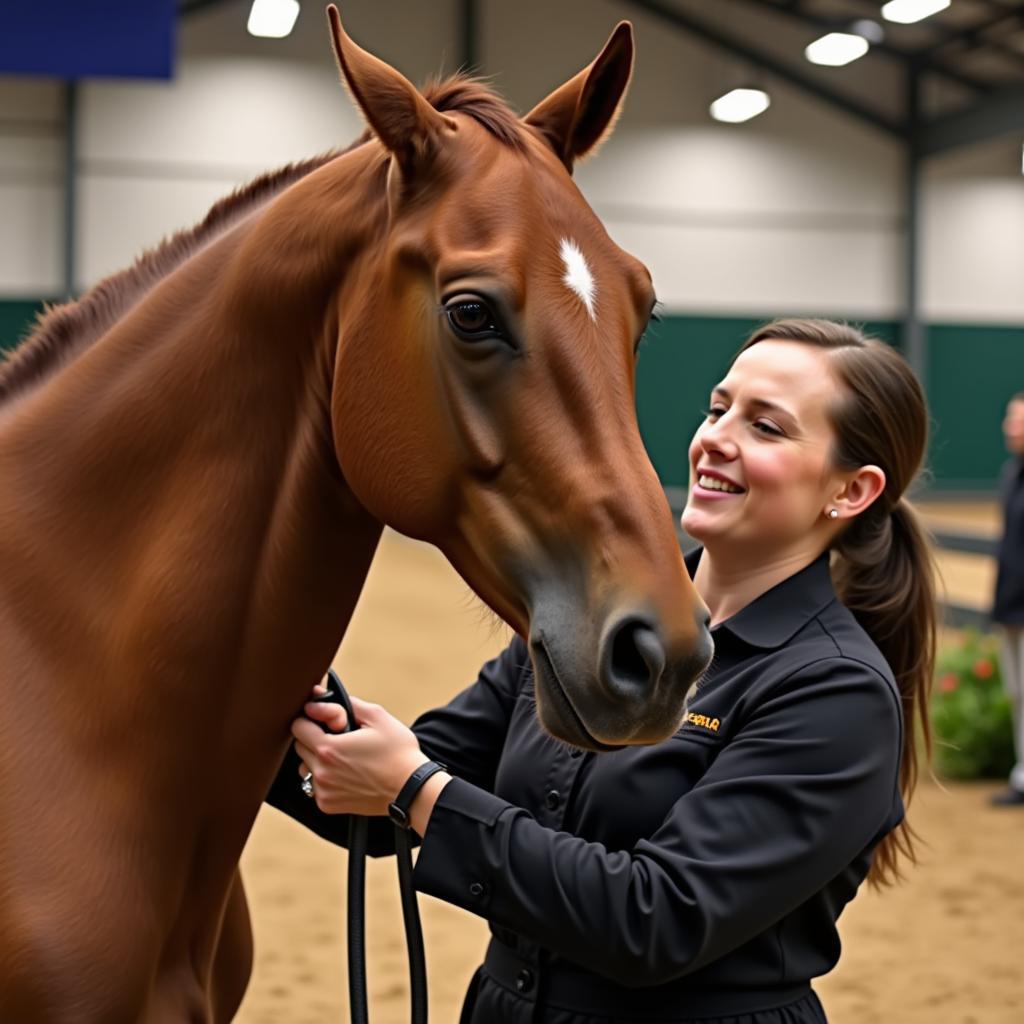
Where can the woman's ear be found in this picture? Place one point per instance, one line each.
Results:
(859, 492)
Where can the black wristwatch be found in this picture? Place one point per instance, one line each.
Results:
(398, 809)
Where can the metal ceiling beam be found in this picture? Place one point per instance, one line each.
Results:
(950, 36)
(843, 25)
(711, 34)
(1001, 112)
(469, 35)
(187, 7)
(967, 35)
(999, 5)
(913, 335)
(71, 148)
(971, 37)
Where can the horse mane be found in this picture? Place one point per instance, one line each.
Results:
(63, 330)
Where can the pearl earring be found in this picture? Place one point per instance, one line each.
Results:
(833, 513)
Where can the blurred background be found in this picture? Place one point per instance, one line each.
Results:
(859, 164)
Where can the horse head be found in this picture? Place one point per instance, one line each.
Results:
(483, 392)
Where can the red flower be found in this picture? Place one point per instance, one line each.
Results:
(983, 668)
(949, 682)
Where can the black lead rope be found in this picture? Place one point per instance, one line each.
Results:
(357, 844)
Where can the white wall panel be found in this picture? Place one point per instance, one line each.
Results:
(973, 235)
(762, 224)
(728, 270)
(155, 157)
(31, 239)
(237, 112)
(756, 170)
(148, 210)
(31, 187)
(30, 155)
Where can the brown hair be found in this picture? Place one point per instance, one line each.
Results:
(882, 561)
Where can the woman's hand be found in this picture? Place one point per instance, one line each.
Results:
(359, 772)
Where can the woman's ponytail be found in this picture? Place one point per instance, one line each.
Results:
(882, 562)
(883, 571)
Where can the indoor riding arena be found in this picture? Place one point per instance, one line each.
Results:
(844, 159)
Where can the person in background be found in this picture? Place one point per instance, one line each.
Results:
(1008, 609)
(699, 878)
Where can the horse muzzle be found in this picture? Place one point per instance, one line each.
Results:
(622, 685)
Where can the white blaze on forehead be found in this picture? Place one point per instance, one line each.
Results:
(577, 274)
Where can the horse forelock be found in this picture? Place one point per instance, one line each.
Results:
(472, 96)
(61, 331)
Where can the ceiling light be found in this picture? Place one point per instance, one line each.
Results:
(836, 49)
(273, 19)
(906, 12)
(740, 105)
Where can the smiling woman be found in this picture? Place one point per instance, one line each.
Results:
(699, 878)
(809, 445)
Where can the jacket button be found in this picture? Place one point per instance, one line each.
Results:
(476, 889)
(524, 980)
(552, 799)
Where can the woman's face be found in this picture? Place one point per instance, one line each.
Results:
(760, 471)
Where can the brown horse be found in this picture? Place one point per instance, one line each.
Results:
(430, 330)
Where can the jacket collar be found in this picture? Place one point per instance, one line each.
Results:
(772, 619)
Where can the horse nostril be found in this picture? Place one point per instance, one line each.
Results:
(633, 658)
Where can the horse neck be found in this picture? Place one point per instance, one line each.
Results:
(173, 520)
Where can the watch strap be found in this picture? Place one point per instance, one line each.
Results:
(398, 809)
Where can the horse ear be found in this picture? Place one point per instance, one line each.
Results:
(578, 115)
(406, 124)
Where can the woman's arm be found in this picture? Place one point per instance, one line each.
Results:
(806, 786)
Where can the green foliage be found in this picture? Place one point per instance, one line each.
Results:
(972, 720)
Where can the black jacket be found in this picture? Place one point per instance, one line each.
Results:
(1009, 603)
(700, 876)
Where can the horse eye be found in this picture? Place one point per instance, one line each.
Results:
(472, 320)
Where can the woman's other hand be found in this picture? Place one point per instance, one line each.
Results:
(359, 772)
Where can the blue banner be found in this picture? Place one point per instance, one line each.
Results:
(88, 38)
